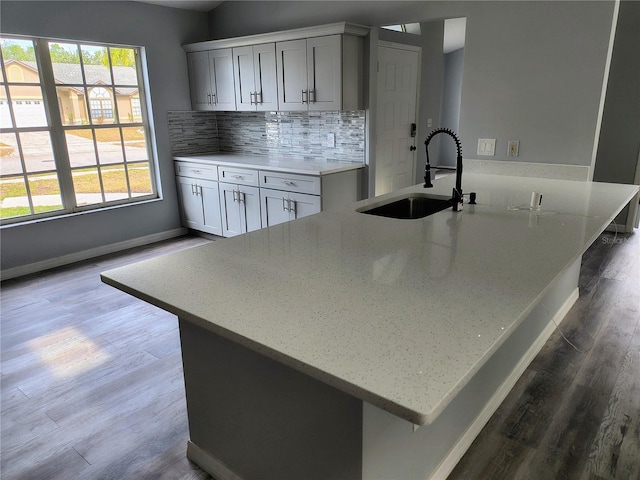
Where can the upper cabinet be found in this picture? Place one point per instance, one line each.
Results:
(310, 74)
(211, 80)
(254, 74)
(317, 68)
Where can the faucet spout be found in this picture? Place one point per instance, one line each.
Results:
(456, 197)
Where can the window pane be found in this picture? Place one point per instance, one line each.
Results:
(87, 186)
(140, 179)
(45, 193)
(65, 60)
(123, 61)
(109, 145)
(73, 107)
(80, 147)
(129, 106)
(9, 154)
(96, 65)
(101, 105)
(5, 114)
(135, 144)
(28, 106)
(37, 151)
(114, 180)
(19, 61)
(13, 198)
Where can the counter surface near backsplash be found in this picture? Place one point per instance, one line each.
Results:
(273, 163)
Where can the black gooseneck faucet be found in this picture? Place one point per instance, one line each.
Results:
(456, 197)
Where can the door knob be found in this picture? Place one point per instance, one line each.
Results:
(412, 148)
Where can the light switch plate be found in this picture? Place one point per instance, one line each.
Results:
(487, 146)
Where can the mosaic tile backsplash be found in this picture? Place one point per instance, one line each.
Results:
(301, 135)
(192, 132)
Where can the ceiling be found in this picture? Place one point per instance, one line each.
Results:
(197, 5)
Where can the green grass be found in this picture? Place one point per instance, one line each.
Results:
(113, 179)
(22, 211)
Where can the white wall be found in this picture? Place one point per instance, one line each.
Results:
(617, 155)
(451, 96)
(161, 31)
(533, 71)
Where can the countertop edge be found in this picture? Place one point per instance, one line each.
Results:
(333, 166)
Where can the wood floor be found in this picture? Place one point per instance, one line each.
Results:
(91, 382)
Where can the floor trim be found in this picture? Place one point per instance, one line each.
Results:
(209, 463)
(90, 253)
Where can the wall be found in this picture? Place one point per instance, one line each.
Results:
(161, 31)
(533, 71)
(451, 96)
(617, 156)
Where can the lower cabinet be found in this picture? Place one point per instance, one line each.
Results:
(228, 200)
(240, 208)
(280, 206)
(200, 204)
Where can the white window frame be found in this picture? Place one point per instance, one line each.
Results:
(57, 130)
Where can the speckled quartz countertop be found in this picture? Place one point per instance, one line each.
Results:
(274, 163)
(399, 313)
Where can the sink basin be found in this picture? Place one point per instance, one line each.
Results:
(410, 207)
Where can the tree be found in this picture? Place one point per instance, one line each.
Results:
(15, 51)
(122, 57)
(60, 54)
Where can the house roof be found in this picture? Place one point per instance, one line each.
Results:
(70, 74)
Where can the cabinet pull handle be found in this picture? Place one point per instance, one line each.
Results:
(200, 190)
(312, 96)
(197, 171)
(234, 196)
(215, 99)
(237, 177)
(259, 93)
(209, 98)
(289, 182)
(241, 197)
(305, 92)
(284, 204)
(251, 94)
(193, 189)
(292, 206)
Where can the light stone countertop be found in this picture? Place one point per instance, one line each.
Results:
(399, 313)
(273, 163)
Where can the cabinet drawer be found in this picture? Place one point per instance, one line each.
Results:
(240, 176)
(290, 182)
(197, 170)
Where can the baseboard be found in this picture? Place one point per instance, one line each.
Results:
(90, 253)
(209, 463)
(457, 452)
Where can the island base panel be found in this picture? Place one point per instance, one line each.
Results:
(251, 417)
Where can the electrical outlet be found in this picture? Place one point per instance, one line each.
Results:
(512, 148)
(331, 140)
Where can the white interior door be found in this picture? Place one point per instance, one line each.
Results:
(398, 70)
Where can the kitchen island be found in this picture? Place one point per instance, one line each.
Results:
(347, 345)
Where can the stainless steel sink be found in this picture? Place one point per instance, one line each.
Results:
(409, 207)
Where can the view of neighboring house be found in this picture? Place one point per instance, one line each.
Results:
(72, 97)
